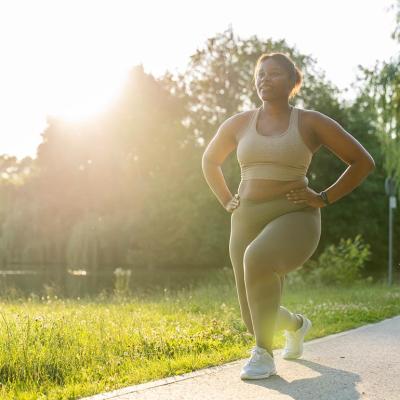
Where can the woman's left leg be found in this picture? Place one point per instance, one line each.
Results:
(283, 245)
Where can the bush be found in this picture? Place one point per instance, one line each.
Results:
(340, 264)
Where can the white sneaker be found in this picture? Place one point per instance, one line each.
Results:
(260, 365)
(294, 340)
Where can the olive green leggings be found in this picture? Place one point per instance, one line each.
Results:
(268, 239)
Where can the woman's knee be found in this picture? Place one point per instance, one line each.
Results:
(260, 260)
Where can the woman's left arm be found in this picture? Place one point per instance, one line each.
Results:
(332, 135)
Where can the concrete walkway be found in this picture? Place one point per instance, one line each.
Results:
(361, 363)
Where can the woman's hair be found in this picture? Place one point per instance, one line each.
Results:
(295, 75)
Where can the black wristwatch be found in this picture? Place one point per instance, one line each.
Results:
(324, 197)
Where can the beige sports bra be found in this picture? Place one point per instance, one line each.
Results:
(280, 157)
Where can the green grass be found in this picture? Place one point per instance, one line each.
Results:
(65, 349)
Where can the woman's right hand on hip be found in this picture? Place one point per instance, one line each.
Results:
(233, 203)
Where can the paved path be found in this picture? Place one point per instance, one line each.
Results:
(362, 363)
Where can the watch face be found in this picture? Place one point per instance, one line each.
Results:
(324, 197)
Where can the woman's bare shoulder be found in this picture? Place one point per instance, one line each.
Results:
(238, 122)
(311, 115)
(307, 120)
(240, 116)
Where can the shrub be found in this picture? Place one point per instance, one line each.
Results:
(340, 264)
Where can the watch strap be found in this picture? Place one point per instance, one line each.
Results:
(324, 197)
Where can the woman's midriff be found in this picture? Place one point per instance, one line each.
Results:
(267, 189)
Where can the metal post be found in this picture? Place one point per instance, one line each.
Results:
(390, 258)
(390, 189)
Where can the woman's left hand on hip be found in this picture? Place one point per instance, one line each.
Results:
(305, 195)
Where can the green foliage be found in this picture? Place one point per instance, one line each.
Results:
(365, 208)
(382, 85)
(340, 264)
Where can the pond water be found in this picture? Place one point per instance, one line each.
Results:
(80, 283)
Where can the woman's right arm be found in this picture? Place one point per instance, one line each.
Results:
(220, 146)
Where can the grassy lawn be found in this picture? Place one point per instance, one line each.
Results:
(67, 348)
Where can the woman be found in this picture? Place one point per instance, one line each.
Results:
(275, 215)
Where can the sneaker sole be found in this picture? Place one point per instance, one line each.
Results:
(291, 356)
(266, 375)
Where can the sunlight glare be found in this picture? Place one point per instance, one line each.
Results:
(84, 93)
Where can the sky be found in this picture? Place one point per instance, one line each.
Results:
(70, 58)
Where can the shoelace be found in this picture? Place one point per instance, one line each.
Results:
(255, 356)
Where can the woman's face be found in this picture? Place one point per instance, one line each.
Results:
(272, 81)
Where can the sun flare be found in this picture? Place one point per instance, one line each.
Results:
(84, 93)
